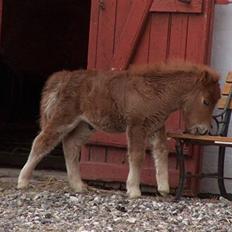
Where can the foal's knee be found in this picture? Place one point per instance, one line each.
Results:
(136, 159)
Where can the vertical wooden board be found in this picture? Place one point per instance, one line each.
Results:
(210, 22)
(177, 50)
(116, 155)
(85, 153)
(198, 35)
(172, 161)
(196, 40)
(142, 51)
(178, 36)
(148, 160)
(159, 37)
(93, 34)
(173, 122)
(123, 8)
(97, 153)
(111, 139)
(105, 40)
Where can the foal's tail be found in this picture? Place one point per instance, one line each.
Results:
(50, 96)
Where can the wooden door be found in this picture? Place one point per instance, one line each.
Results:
(124, 32)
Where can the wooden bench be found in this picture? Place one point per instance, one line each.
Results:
(218, 137)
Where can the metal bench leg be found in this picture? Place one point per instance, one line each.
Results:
(221, 184)
(182, 174)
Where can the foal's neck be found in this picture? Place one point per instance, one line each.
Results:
(178, 89)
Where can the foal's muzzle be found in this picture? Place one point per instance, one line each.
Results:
(198, 130)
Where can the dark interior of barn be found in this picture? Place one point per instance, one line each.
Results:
(37, 39)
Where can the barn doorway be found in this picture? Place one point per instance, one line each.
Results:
(37, 39)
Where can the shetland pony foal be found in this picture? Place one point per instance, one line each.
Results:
(136, 101)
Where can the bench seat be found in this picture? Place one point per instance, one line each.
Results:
(202, 139)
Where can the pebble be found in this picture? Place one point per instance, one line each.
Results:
(55, 209)
(131, 220)
(74, 199)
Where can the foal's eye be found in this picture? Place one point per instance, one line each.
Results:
(205, 102)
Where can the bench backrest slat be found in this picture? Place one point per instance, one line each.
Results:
(226, 92)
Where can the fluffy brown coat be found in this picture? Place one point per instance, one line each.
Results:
(137, 101)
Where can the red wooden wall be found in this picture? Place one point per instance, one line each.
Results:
(124, 32)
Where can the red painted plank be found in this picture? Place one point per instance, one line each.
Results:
(103, 171)
(105, 40)
(123, 7)
(178, 36)
(85, 153)
(93, 34)
(198, 35)
(116, 155)
(118, 173)
(177, 50)
(136, 18)
(142, 51)
(173, 122)
(148, 161)
(97, 153)
(176, 6)
(159, 37)
(118, 140)
(210, 23)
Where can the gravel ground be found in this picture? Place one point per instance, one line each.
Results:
(50, 205)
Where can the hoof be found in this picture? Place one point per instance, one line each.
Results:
(22, 184)
(164, 192)
(135, 193)
(81, 187)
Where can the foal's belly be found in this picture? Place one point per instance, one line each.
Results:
(110, 124)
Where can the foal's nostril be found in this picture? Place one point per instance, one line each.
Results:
(199, 130)
(203, 130)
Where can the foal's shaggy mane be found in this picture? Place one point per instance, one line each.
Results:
(175, 69)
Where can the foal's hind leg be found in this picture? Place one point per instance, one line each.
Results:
(47, 139)
(160, 155)
(72, 147)
(136, 151)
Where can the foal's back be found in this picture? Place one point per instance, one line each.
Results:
(90, 93)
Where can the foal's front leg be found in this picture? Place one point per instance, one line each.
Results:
(136, 151)
(160, 155)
